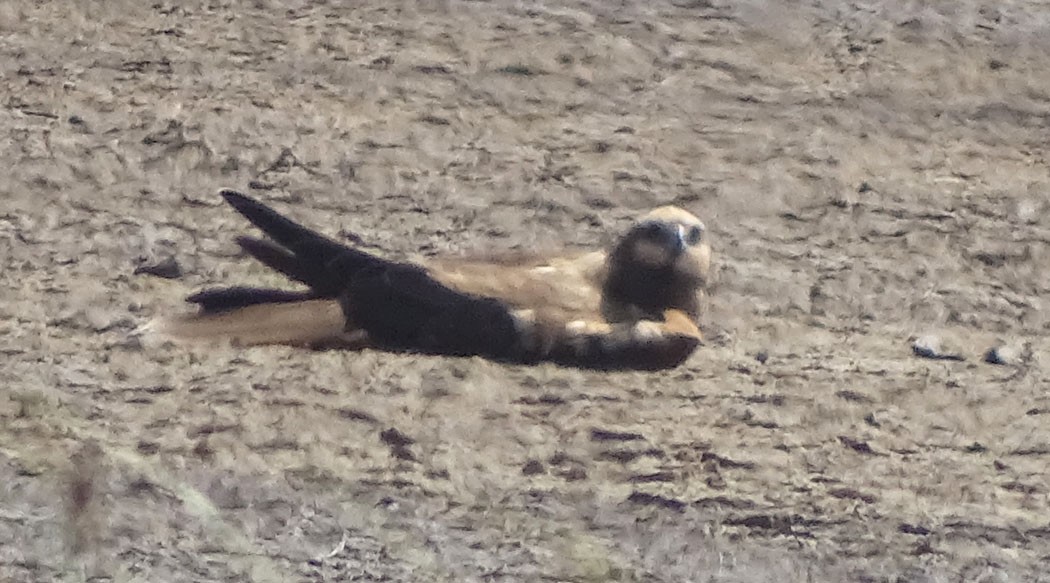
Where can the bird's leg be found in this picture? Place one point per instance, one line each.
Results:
(645, 344)
(679, 323)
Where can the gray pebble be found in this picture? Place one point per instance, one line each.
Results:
(1003, 355)
(167, 268)
(929, 346)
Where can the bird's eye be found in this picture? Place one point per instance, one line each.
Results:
(694, 234)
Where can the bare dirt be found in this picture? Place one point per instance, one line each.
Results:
(870, 172)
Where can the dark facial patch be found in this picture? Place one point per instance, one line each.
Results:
(694, 235)
(664, 235)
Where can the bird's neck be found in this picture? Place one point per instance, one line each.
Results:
(631, 292)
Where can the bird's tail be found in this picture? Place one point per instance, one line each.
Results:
(316, 323)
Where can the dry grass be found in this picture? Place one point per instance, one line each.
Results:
(871, 174)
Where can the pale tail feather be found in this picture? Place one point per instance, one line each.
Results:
(303, 323)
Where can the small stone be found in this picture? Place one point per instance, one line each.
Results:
(856, 445)
(1003, 355)
(914, 529)
(532, 467)
(79, 125)
(574, 474)
(929, 346)
(403, 453)
(762, 356)
(167, 268)
(203, 449)
(395, 438)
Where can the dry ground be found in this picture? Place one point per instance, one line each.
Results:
(870, 172)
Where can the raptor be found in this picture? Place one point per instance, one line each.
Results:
(633, 306)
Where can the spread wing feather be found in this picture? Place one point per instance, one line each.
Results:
(399, 305)
(279, 259)
(228, 298)
(298, 252)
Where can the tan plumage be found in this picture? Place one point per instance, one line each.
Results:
(308, 323)
(633, 306)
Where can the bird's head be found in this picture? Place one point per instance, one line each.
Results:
(660, 263)
(669, 240)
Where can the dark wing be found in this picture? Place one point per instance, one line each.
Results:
(403, 308)
(399, 305)
(228, 298)
(302, 254)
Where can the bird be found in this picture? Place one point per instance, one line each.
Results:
(635, 305)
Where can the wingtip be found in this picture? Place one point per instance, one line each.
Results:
(280, 228)
(247, 243)
(234, 198)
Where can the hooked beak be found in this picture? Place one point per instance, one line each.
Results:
(680, 239)
(671, 237)
(658, 243)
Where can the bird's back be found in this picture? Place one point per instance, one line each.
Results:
(563, 287)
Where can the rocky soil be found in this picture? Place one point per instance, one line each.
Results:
(871, 404)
